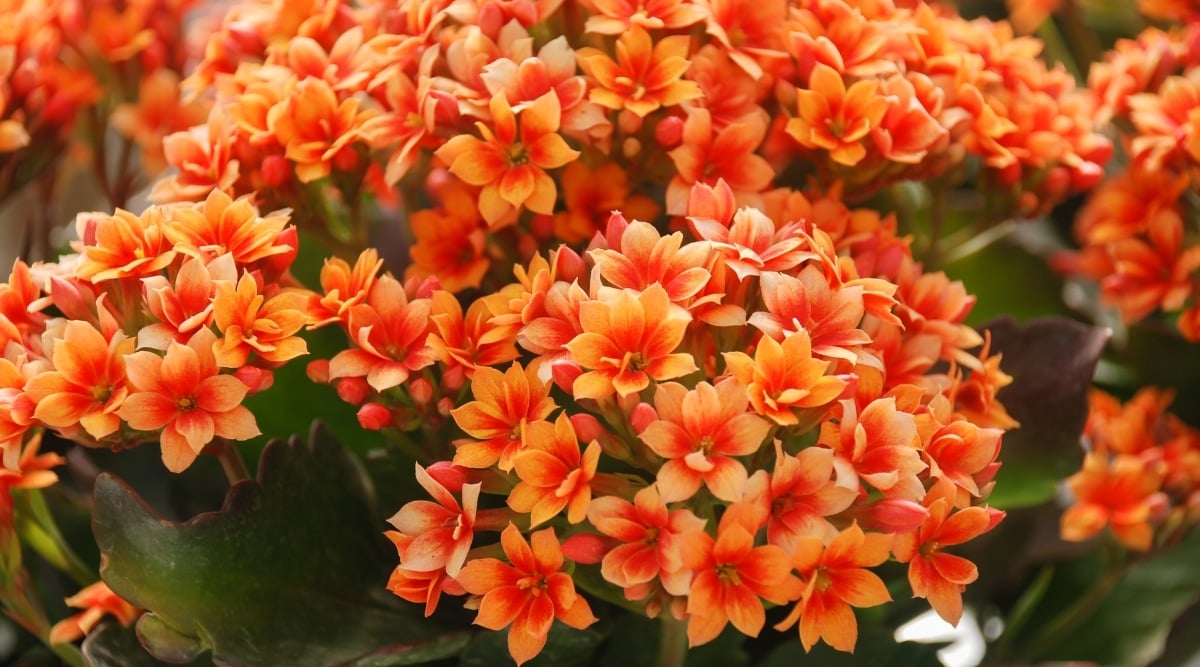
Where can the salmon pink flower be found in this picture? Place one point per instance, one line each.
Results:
(203, 156)
(466, 342)
(497, 420)
(87, 385)
(627, 341)
(751, 32)
(829, 312)
(644, 77)
(183, 394)
(450, 242)
(700, 431)
(836, 579)
(750, 243)
(554, 474)
(526, 595)
(436, 535)
(511, 169)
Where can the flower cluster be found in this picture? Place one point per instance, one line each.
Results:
(1134, 229)
(156, 328)
(749, 413)
(1141, 475)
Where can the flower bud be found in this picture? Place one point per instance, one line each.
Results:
(374, 417)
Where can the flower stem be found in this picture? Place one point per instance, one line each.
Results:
(231, 461)
(673, 643)
(1054, 632)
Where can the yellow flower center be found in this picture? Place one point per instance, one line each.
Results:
(186, 403)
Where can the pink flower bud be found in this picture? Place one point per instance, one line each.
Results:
(642, 416)
(353, 390)
(586, 548)
(448, 475)
(564, 372)
(893, 515)
(374, 417)
(669, 132)
(256, 379)
(276, 171)
(421, 391)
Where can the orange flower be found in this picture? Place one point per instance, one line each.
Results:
(836, 579)
(436, 535)
(450, 242)
(645, 258)
(343, 288)
(784, 376)
(629, 340)
(700, 431)
(933, 574)
(251, 323)
(187, 305)
(645, 75)
(32, 469)
(183, 394)
(88, 383)
(614, 17)
(880, 444)
(421, 587)
(591, 195)
(222, 225)
(834, 118)
(708, 154)
(122, 245)
(203, 156)
(313, 126)
(527, 595)
(799, 493)
(731, 575)
(157, 113)
(97, 601)
(1123, 492)
(511, 170)
(957, 449)
(464, 343)
(829, 313)
(649, 536)
(504, 406)
(390, 334)
(750, 32)
(553, 473)
(750, 242)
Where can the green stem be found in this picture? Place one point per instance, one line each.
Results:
(673, 643)
(1022, 611)
(937, 220)
(232, 462)
(68, 653)
(39, 531)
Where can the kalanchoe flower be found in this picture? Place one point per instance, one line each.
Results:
(436, 535)
(88, 384)
(183, 395)
(554, 474)
(527, 595)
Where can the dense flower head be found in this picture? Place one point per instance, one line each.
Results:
(596, 266)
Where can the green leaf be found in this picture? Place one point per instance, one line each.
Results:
(876, 647)
(110, 645)
(1130, 626)
(1051, 361)
(290, 571)
(635, 642)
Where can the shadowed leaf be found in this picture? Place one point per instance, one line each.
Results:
(290, 571)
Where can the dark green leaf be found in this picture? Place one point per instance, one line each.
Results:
(1051, 361)
(1131, 625)
(110, 645)
(290, 571)
(636, 643)
(876, 647)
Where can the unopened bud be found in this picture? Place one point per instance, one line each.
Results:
(353, 390)
(374, 417)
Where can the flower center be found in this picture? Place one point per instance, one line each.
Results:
(186, 403)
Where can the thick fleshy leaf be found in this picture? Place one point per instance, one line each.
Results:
(111, 645)
(287, 572)
(1051, 361)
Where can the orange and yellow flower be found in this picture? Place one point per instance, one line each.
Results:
(554, 474)
(87, 385)
(527, 595)
(835, 118)
(645, 76)
(184, 395)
